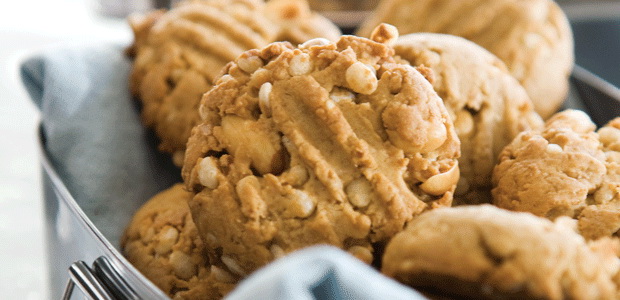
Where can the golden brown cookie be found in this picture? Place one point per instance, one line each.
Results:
(325, 144)
(179, 53)
(568, 169)
(298, 23)
(162, 242)
(484, 252)
(488, 106)
(601, 217)
(533, 37)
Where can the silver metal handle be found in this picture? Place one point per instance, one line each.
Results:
(101, 282)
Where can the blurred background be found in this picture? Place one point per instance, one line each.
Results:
(29, 26)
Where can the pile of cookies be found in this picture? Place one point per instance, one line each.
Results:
(424, 155)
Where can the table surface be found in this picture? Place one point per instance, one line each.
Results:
(28, 26)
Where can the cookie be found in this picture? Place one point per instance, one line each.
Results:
(488, 106)
(330, 143)
(179, 53)
(298, 23)
(532, 37)
(567, 169)
(484, 252)
(162, 242)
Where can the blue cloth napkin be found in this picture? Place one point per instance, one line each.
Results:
(320, 272)
(110, 164)
(93, 134)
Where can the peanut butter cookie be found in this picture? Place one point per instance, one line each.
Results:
(330, 143)
(163, 244)
(568, 169)
(178, 55)
(484, 252)
(532, 37)
(298, 23)
(488, 106)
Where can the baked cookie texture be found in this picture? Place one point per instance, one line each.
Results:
(488, 106)
(298, 23)
(567, 169)
(532, 37)
(484, 252)
(179, 53)
(162, 242)
(329, 143)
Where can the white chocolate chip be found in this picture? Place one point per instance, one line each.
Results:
(329, 104)
(303, 205)
(166, 239)
(263, 98)
(338, 95)
(361, 78)
(315, 42)
(207, 174)
(359, 192)
(300, 65)
(438, 184)
(221, 275)
(233, 266)
(554, 148)
(182, 265)
(249, 64)
(276, 251)
(362, 253)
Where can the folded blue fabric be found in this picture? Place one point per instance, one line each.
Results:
(320, 272)
(94, 138)
(110, 164)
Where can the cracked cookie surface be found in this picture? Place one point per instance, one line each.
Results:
(488, 106)
(532, 37)
(162, 242)
(484, 252)
(568, 169)
(330, 143)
